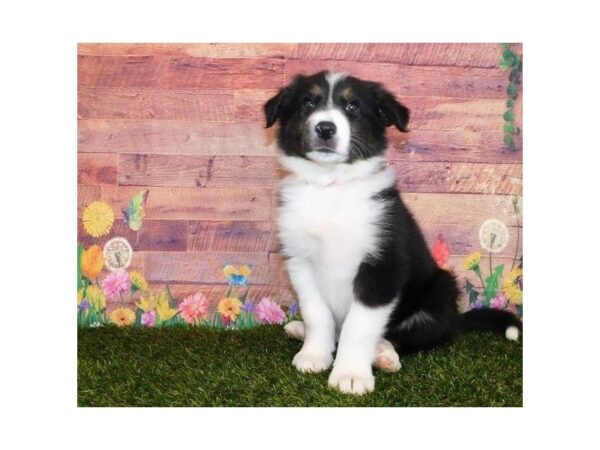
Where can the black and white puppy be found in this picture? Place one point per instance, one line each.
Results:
(357, 260)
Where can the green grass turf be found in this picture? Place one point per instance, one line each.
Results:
(204, 367)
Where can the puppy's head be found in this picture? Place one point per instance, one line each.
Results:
(331, 118)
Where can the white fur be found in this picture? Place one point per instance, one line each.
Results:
(341, 139)
(332, 79)
(328, 224)
(512, 333)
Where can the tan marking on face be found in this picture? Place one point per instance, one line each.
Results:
(347, 94)
(316, 90)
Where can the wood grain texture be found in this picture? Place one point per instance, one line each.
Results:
(200, 171)
(209, 50)
(459, 177)
(450, 54)
(206, 267)
(187, 203)
(186, 121)
(459, 209)
(97, 168)
(179, 72)
(415, 81)
(232, 236)
(136, 103)
(175, 137)
(450, 145)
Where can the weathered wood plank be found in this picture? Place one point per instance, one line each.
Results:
(386, 73)
(136, 103)
(232, 236)
(206, 267)
(175, 137)
(424, 54)
(459, 82)
(163, 235)
(249, 104)
(201, 171)
(179, 72)
(119, 228)
(187, 203)
(450, 145)
(459, 177)
(459, 209)
(97, 168)
(209, 50)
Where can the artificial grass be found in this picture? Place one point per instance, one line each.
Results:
(207, 367)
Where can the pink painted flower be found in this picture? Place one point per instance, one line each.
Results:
(267, 311)
(116, 284)
(511, 307)
(149, 318)
(194, 307)
(498, 302)
(226, 320)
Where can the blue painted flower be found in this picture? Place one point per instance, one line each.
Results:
(293, 309)
(248, 306)
(84, 305)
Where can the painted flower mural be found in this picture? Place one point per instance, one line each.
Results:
(496, 290)
(103, 276)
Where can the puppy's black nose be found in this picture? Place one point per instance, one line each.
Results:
(325, 129)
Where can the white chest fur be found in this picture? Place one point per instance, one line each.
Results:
(331, 221)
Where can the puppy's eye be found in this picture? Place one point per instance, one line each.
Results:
(308, 104)
(352, 108)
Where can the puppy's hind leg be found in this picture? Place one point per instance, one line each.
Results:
(386, 357)
(295, 329)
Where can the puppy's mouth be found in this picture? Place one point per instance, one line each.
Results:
(324, 150)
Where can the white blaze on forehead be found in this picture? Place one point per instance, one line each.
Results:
(332, 79)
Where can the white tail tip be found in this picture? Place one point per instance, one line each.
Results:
(512, 333)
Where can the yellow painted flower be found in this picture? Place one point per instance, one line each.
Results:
(92, 262)
(138, 281)
(473, 261)
(96, 297)
(98, 218)
(513, 286)
(229, 270)
(148, 302)
(230, 307)
(122, 317)
(163, 309)
(80, 293)
(245, 270)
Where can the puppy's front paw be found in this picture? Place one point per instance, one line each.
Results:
(352, 382)
(312, 362)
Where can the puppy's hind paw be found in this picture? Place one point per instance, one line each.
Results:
(295, 329)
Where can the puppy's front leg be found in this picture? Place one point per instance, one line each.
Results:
(319, 324)
(362, 330)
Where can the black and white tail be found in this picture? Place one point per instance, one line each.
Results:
(502, 322)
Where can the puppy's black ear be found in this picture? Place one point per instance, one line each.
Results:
(274, 105)
(390, 111)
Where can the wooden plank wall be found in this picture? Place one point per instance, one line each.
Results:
(185, 121)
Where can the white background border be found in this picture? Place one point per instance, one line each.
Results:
(560, 223)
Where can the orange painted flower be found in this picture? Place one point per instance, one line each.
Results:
(440, 251)
(92, 262)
